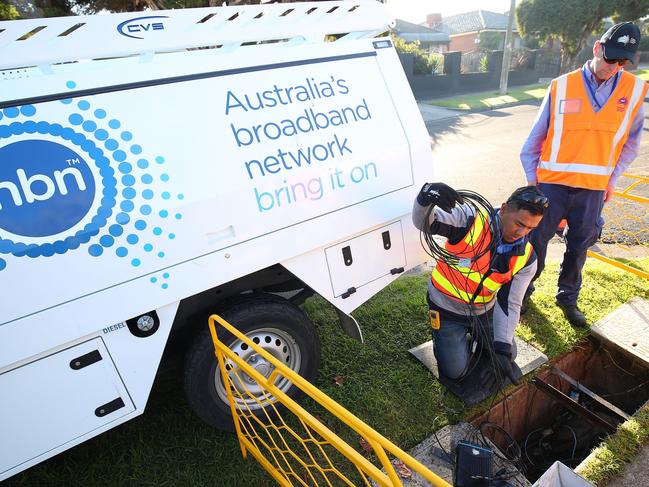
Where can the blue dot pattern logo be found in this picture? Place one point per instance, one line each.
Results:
(59, 183)
(47, 187)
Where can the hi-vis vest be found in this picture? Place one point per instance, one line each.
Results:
(582, 146)
(470, 277)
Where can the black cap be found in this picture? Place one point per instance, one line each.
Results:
(621, 41)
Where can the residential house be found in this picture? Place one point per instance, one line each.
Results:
(430, 40)
(465, 29)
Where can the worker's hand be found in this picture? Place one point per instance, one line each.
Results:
(608, 193)
(438, 194)
(532, 183)
(503, 360)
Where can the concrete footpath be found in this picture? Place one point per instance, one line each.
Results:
(637, 473)
(431, 113)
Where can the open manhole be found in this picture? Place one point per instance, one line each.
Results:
(569, 408)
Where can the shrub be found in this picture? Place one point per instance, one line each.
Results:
(493, 41)
(7, 11)
(424, 62)
(484, 64)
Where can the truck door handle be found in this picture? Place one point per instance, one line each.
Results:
(387, 243)
(109, 407)
(85, 360)
(347, 255)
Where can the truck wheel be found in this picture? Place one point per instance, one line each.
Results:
(277, 326)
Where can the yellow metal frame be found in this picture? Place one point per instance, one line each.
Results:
(318, 435)
(626, 193)
(619, 265)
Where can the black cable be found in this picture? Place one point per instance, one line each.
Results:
(512, 442)
(480, 329)
(449, 457)
(474, 205)
(477, 207)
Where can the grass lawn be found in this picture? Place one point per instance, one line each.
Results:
(381, 383)
(491, 99)
(643, 73)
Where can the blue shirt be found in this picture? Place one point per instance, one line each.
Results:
(598, 94)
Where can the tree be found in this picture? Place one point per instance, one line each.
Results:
(573, 22)
(58, 8)
(61, 8)
(570, 22)
(644, 41)
(631, 10)
(87, 7)
(491, 40)
(53, 8)
(7, 11)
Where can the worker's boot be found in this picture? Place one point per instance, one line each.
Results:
(573, 315)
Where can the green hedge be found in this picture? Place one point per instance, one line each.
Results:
(424, 62)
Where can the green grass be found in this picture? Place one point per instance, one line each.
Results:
(492, 99)
(643, 73)
(383, 385)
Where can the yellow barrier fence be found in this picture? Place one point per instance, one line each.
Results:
(300, 449)
(625, 237)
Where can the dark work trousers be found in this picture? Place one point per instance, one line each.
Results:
(452, 343)
(582, 209)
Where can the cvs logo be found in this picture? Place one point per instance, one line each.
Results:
(140, 26)
(45, 188)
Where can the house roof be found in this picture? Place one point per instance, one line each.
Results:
(412, 32)
(474, 21)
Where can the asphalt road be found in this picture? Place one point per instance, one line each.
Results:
(480, 151)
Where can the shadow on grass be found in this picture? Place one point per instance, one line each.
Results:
(381, 384)
(548, 330)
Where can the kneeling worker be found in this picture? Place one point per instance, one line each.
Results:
(477, 287)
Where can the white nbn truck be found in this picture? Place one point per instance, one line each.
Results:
(156, 167)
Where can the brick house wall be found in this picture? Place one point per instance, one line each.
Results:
(464, 42)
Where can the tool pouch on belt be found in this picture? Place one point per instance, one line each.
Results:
(433, 316)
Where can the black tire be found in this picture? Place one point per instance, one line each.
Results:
(262, 316)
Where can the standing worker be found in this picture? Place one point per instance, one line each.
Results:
(585, 136)
(476, 289)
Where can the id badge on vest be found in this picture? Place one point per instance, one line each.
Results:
(570, 105)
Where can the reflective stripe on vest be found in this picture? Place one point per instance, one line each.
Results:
(462, 282)
(582, 146)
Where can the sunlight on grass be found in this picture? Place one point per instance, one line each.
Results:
(381, 383)
(619, 449)
(642, 74)
(537, 93)
(486, 100)
(499, 100)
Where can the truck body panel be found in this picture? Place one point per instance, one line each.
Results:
(128, 184)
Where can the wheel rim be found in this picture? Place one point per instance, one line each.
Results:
(277, 343)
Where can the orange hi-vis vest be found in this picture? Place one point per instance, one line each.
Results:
(461, 282)
(582, 146)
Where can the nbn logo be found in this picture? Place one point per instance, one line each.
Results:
(23, 192)
(140, 26)
(45, 188)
